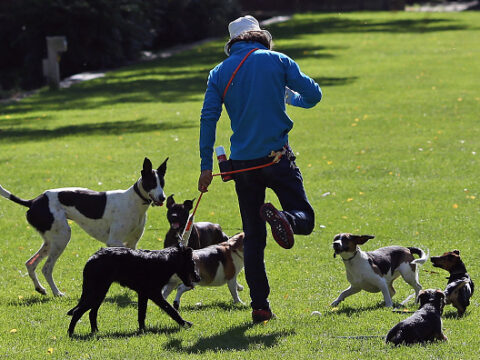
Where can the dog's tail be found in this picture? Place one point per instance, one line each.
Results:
(8, 195)
(423, 255)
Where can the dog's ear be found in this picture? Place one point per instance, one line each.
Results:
(456, 252)
(162, 169)
(170, 201)
(441, 298)
(439, 294)
(423, 296)
(188, 204)
(361, 239)
(147, 165)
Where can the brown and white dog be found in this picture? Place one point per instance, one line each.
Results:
(217, 265)
(460, 286)
(375, 271)
(424, 325)
(203, 233)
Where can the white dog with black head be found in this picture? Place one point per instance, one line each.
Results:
(116, 218)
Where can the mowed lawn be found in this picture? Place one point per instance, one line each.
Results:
(392, 150)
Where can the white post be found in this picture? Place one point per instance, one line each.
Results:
(51, 69)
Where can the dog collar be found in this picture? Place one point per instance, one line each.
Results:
(137, 190)
(355, 254)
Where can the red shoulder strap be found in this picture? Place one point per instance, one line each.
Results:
(235, 72)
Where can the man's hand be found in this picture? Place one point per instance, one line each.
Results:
(204, 180)
(289, 95)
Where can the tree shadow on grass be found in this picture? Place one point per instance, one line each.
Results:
(342, 24)
(20, 134)
(234, 339)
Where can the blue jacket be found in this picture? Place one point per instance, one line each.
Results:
(255, 102)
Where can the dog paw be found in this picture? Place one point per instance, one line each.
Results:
(41, 290)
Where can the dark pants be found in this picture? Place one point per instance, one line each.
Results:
(285, 179)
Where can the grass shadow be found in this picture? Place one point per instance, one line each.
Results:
(350, 311)
(453, 314)
(21, 134)
(30, 300)
(217, 305)
(121, 300)
(340, 24)
(126, 334)
(234, 339)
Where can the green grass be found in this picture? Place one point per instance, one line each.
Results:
(394, 142)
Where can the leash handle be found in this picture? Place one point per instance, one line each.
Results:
(235, 72)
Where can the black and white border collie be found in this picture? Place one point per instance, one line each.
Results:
(116, 218)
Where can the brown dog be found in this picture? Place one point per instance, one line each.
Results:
(460, 286)
(203, 233)
(217, 265)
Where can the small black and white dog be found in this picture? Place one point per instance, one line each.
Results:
(116, 218)
(144, 271)
(203, 233)
(460, 286)
(424, 325)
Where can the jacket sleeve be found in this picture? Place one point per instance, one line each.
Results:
(211, 111)
(307, 92)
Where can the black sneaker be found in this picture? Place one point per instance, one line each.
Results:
(262, 315)
(281, 229)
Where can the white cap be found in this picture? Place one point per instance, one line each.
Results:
(220, 150)
(242, 25)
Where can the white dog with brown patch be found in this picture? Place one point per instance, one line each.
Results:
(375, 271)
(217, 265)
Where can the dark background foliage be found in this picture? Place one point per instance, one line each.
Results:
(100, 33)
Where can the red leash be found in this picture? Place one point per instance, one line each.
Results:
(247, 169)
(190, 218)
(235, 72)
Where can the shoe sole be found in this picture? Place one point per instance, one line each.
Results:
(283, 237)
